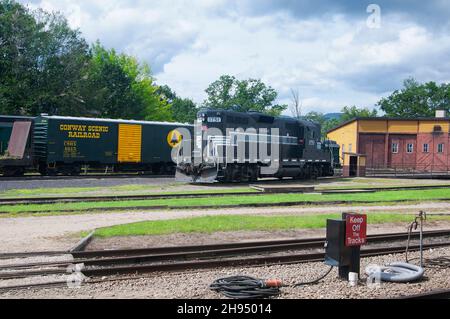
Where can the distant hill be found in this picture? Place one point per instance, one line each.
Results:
(333, 116)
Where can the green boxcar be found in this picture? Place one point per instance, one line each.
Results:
(11, 166)
(65, 144)
(5, 133)
(6, 126)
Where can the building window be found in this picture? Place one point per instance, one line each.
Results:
(426, 148)
(395, 148)
(409, 148)
(440, 148)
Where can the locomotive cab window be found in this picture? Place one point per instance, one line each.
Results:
(319, 146)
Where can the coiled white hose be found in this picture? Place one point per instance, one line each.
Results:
(396, 272)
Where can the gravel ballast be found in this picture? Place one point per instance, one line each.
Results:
(194, 285)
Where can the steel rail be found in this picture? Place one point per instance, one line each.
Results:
(434, 294)
(32, 254)
(27, 178)
(257, 261)
(302, 243)
(203, 251)
(34, 286)
(54, 200)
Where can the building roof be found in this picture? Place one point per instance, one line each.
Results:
(388, 119)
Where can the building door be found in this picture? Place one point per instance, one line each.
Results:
(353, 166)
(373, 146)
(403, 155)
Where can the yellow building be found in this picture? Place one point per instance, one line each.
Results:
(418, 144)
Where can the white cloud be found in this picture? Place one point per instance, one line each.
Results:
(332, 57)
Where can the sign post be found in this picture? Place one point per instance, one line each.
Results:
(355, 237)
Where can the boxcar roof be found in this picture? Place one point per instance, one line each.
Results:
(16, 117)
(88, 119)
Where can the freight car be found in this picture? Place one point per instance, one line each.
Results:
(15, 144)
(64, 145)
(240, 147)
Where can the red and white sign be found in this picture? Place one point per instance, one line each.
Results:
(356, 230)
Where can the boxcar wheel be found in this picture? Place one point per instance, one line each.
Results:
(76, 171)
(13, 171)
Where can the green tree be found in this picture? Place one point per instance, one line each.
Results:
(417, 100)
(229, 93)
(184, 110)
(349, 113)
(319, 118)
(41, 62)
(120, 87)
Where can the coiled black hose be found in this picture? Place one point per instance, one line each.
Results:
(244, 287)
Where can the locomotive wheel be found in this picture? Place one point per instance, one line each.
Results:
(314, 173)
(253, 174)
(237, 176)
(245, 176)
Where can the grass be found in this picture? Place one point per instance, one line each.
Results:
(105, 191)
(380, 197)
(73, 190)
(369, 187)
(212, 224)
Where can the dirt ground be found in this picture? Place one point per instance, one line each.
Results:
(232, 237)
(62, 232)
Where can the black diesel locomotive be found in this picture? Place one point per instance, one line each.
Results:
(242, 147)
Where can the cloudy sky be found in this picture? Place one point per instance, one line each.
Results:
(335, 53)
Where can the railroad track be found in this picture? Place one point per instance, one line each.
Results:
(305, 243)
(168, 259)
(74, 199)
(93, 176)
(435, 294)
(53, 200)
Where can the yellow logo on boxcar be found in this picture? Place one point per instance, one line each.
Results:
(174, 138)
